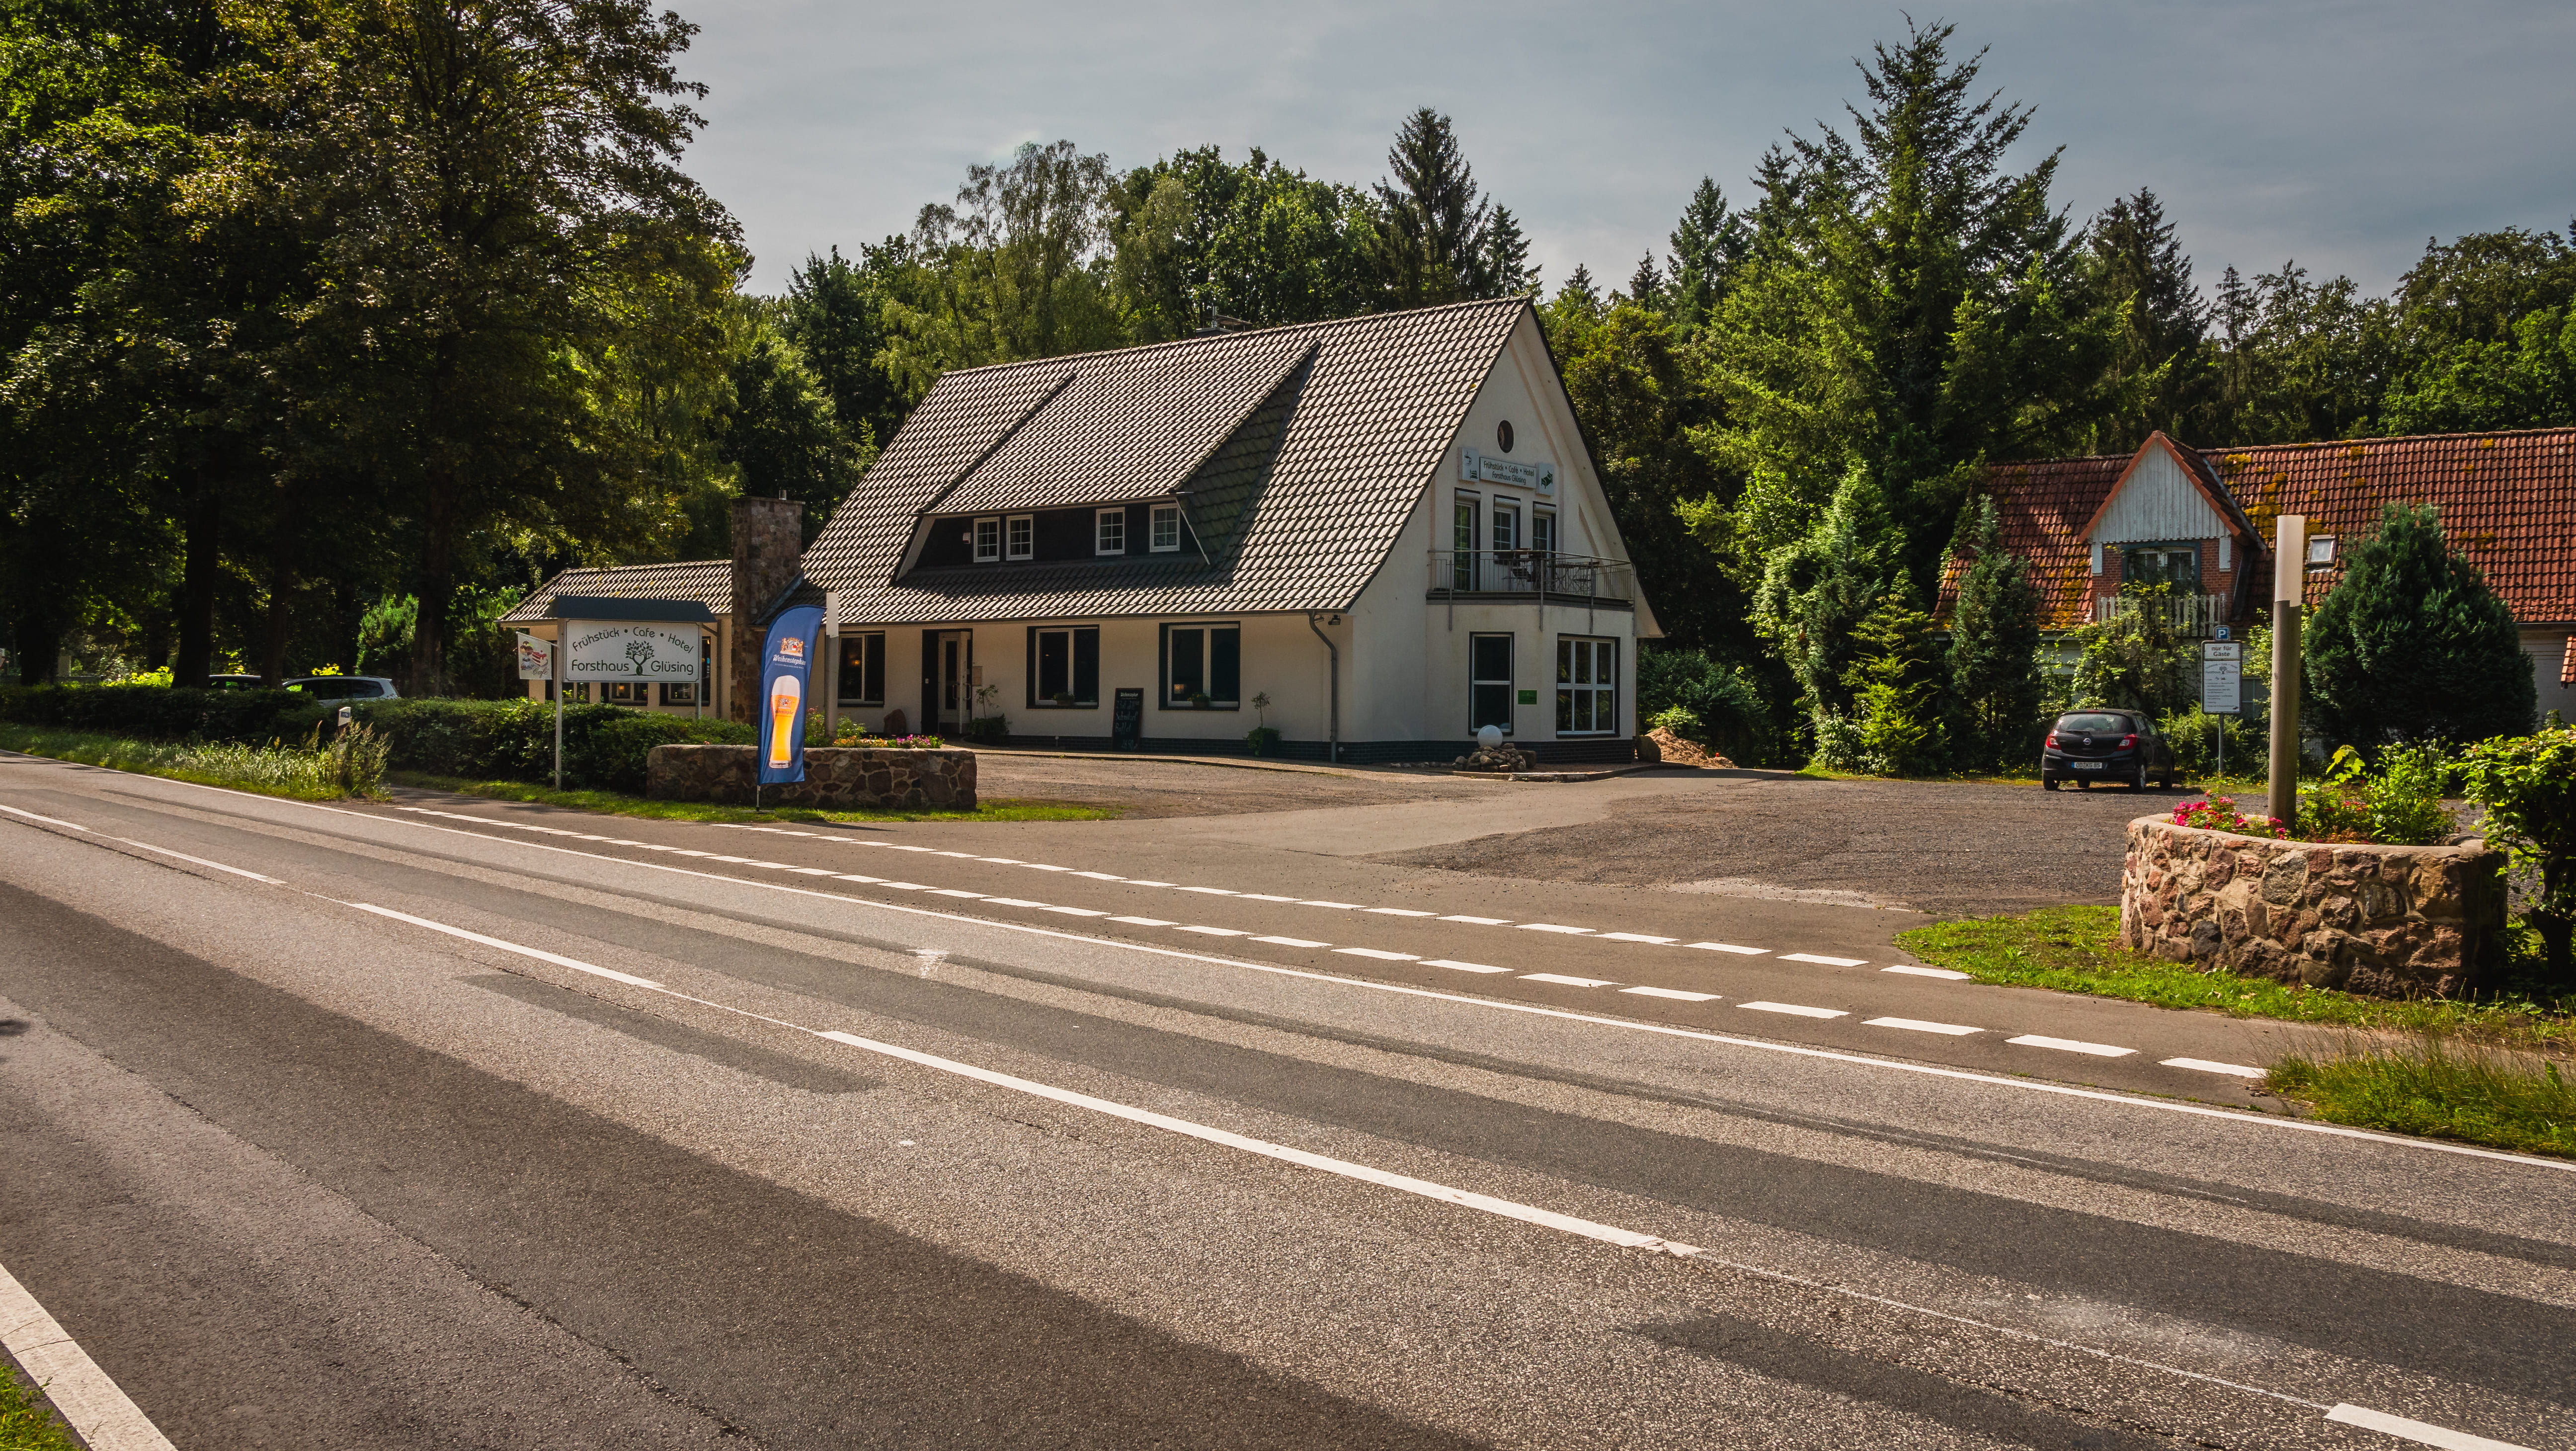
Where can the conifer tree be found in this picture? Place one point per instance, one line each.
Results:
(2164, 380)
(1646, 286)
(1507, 265)
(2412, 645)
(1708, 243)
(1435, 246)
(1994, 643)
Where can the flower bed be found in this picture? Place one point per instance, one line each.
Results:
(2388, 921)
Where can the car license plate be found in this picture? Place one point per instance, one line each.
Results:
(2089, 765)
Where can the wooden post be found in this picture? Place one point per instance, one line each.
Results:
(2289, 580)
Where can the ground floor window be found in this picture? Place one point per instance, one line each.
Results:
(575, 692)
(627, 692)
(1202, 667)
(1489, 682)
(862, 674)
(1064, 667)
(680, 692)
(1587, 686)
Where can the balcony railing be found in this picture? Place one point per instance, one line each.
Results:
(2190, 616)
(1579, 578)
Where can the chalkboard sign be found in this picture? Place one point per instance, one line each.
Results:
(1127, 721)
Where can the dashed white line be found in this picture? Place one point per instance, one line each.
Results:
(1731, 947)
(956, 892)
(200, 861)
(1339, 906)
(1144, 921)
(575, 963)
(1558, 977)
(1217, 931)
(2422, 1433)
(1292, 941)
(1266, 897)
(1638, 937)
(1213, 891)
(1100, 876)
(2204, 1065)
(1910, 970)
(1141, 882)
(1380, 954)
(1676, 994)
(2071, 1045)
(1827, 961)
(854, 877)
(1463, 966)
(1480, 921)
(1013, 902)
(1917, 1025)
(1075, 911)
(1555, 927)
(1402, 912)
(1794, 1010)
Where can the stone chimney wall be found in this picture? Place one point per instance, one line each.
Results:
(768, 549)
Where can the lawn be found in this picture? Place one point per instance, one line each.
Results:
(277, 769)
(614, 803)
(26, 1422)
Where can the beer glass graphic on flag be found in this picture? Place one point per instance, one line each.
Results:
(786, 694)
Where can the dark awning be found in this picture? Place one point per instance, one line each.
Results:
(611, 607)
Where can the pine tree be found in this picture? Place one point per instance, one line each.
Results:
(1994, 643)
(1646, 285)
(1708, 243)
(2165, 380)
(1893, 677)
(1507, 265)
(2412, 645)
(1435, 243)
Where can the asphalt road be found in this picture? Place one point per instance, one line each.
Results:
(428, 1127)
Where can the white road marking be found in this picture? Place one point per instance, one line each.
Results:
(2423, 1433)
(1463, 966)
(899, 846)
(729, 858)
(1479, 921)
(854, 877)
(1731, 947)
(999, 861)
(1676, 994)
(1553, 927)
(1795, 1010)
(1344, 906)
(1076, 911)
(91, 1402)
(909, 886)
(1401, 912)
(1013, 902)
(1917, 1025)
(200, 861)
(1293, 941)
(968, 855)
(1212, 891)
(2204, 1065)
(1558, 977)
(575, 963)
(1638, 937)
(813, 871)
(1141, 882)
(1265, 897)
(1038, 866)
(1505, 1208)
(1099, 876)
(1827, 961)
(2071, 1045)
(67, 825)
(954, 892)
(1144, 921)
(1378, 953)
(1940, 972)
(1218, 931)
(2258, 1123)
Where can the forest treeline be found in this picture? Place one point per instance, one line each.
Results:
(331, 328)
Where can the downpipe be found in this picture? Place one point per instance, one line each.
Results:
(1333, 671)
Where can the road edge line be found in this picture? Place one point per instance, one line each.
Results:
(87, 1398)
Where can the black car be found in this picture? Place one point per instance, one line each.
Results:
(2086, 746)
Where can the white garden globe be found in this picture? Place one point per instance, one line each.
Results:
(1489, 737)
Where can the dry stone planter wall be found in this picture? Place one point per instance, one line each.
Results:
(2390, 921)
(836, 778)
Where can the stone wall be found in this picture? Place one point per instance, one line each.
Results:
(836, 778)
(2390, 921)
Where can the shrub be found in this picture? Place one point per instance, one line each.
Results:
(2134, 659)
(2219, 813)
(2195, 735)
(1994, 680)
(1725, 709)
(2397, 804)
(157, 712)
(1679, 720)
(2526, 786)
(2412, 645)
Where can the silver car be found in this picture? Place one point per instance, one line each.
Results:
(345, 687)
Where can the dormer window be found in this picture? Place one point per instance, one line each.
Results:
(1110, 532)
(988, 540)
(1167, 528)
(1022, 532)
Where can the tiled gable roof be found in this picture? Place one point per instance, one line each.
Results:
(2508, 502)
(707, 581)
(1299, 451)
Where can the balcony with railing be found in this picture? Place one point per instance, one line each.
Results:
(1530, 574)
(2193, 617)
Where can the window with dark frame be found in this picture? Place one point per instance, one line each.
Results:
(1587, 686)
(1064, 667)
(988, 540)
(626, 692)
(679, 692)
(1167, 528)
(1021, 532)
(862, 669)
(1489, 682)
(1202, 667)
(1462, 542)
(1543, 532)
(1110, 534)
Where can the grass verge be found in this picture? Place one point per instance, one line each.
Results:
(276, 769)
(2076, 950)
(27, 1423)
(2476, 1095)
(616, 803)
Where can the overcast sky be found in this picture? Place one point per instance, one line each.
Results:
(2339, 134)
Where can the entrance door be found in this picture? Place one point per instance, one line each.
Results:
(953, 681)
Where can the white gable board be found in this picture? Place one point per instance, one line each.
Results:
(2157, 504)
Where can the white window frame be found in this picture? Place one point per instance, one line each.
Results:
(1504, 518)
(988, 539)
(1109, 531)
(1020, 536)
(1543, 531)
(1166, 514)
(1567, 688)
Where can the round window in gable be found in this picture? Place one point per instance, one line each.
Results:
(1503, 435)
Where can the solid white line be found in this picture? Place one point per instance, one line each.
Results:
(2071, 1045)
(1344, 906)
(1463, 966)
(575, 963)
(200, 861)
(1827, 961)
(1293, 941)
(1505, 1208)
(1558, 977)
(1917, 1025)
(1141, 882)
(1676, 994)
(1095, 876)
(1795, 1010)
(1266, 897)
(1379, 953)
(49, 821)
(1553, 927)
(2236, 1117)
(2204, 1065)
(1731, 947)
(2422, 1433)
(1032, 866)
(1940, 972)
(89, 1401)
(1638, 937)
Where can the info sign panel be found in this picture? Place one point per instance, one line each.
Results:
(628, 650)
(2222, 678)
(536, 658)
(1478, 467)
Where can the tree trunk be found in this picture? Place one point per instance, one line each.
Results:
(203, 520)
(281, 628)
(437, 585)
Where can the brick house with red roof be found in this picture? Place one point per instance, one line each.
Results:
(2201, 520)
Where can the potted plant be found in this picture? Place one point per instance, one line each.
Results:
(1262, 739)
(1198, 700)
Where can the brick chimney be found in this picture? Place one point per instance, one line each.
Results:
(768, 549)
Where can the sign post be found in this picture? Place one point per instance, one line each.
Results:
(2289, 579)
(620, 640)
(555, 657)
(2222, 686)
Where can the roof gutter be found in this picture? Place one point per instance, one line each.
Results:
(1333, 669)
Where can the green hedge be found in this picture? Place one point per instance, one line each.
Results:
(508, 740)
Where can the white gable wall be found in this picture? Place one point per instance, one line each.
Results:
(2159, 504)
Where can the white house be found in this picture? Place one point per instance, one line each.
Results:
(1387, 526)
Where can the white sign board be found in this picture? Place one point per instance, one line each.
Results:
(630, 651)
(536, 658)
(1476, 466)
(2222, 680)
